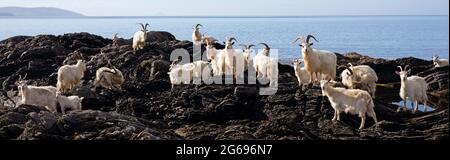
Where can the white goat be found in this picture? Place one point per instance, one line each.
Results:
(197, 69)
(437, 62)
(321, 62)
(72, 102)
(109, 77)
(196, 35)
(300, 72)
(261, 61)
(178, 73)
(353, 101)
(246, 49)
(266, 66)
(69, 76)
(40, 96)
(230, 61)
(413, 88)
(140, 37)
(360, 77)
(211, 51)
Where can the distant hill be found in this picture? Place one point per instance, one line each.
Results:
(36, 12)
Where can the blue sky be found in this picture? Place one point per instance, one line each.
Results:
(241, 7)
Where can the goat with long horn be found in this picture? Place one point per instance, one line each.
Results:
(317, 62)
(140, 37)
(196, 35)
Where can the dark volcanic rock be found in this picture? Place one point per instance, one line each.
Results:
(31, 122)
(147, 108)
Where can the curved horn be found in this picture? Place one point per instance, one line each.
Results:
(76, 55)
(146, 25)
(24, 77)
(250, 46)
(350, 70)
(232, 38)
(309, 38)
(80, 55)
(196, 25)
(142, 26)
(350, 64)
(295, 40)
(265, 46)
(401, 69)
(406, 68)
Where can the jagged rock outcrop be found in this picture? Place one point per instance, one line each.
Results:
(147, 107)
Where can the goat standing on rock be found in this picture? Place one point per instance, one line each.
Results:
(230, 62)
(40, 96)
(319, 62)
(352, 101)
(140, 37)
(69, 76)
(300, 72)
(266, 66)
(72, 102)
(196, 35)
(413, 88)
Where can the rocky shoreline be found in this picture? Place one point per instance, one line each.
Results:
(147, 108)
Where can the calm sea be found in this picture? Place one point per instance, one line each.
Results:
(377, 36)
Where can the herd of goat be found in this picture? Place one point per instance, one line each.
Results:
(319, 66)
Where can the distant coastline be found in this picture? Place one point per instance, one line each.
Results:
(17, 12)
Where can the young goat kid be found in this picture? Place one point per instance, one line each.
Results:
(300, 72)
(71, 102)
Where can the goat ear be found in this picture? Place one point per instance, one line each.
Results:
(311, 44)
(397, 72)
(232, 43)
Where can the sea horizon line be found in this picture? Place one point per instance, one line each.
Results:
(243, 16)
